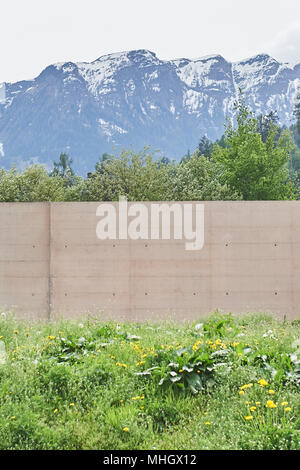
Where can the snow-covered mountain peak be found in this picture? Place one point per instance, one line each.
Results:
(138, 56)
(212, 57)
(255, 71)
(261, 58)
(132, 99)
(204, 71)
(100, 73)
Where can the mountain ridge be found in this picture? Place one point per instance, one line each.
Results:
(133, 99)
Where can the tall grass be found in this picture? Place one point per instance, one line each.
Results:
(224, 382)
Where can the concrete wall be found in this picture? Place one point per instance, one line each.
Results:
(52, 264)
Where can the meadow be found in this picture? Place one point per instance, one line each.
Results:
(223, 382)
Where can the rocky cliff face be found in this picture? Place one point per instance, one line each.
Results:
(132, 99)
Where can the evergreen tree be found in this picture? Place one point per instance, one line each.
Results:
(205, 147)
(296, 114)
(100, 164)
(221, 142)
(265, 124)
(63, 167)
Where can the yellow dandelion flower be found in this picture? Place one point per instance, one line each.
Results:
(125, 429)
(55, 411)
(241, 392)
(262, 382)
(247, 402)
(271, 392)
(253, 408)
(243, 387)
(248, 418)
(180, 370)
(271, 404)
(207, 423)
(12, 417)
(72, 404)
(284, 403)
(140, 363)
(257, 402)
(288, 408)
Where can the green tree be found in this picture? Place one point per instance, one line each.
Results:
(266, 123)
(296, 113)
(255, 169)
(136, 175)
(64, 168)
(100, 164)
(205, 147)
(35, 184)
(9, 185)
(199, 179)
(187, 156)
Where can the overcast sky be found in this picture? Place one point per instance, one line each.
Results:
(36, 33)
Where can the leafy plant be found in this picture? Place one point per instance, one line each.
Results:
(217, 325)
(192, 371)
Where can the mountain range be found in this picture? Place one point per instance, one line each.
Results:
(133, 99)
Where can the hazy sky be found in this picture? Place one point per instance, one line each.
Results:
(36, 33)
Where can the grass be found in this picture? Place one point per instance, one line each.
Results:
(96, 385)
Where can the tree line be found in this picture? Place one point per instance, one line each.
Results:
(254, 160)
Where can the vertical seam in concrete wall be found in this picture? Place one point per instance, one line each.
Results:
(207, 228)
(292, 230)
(50, 282)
